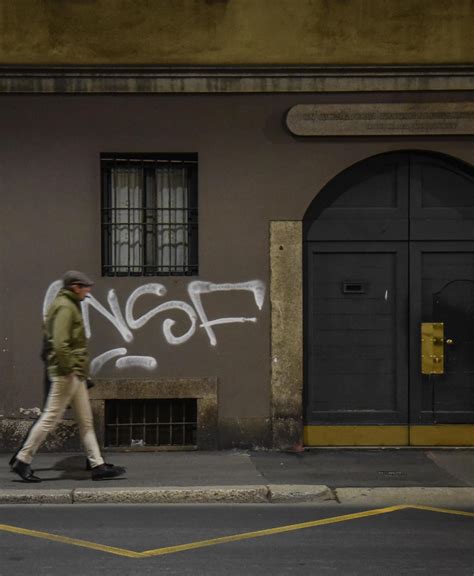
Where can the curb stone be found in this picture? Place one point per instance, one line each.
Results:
(174, 495)
(36, 497)
(249, 494)
(447, 496)
(280, 493)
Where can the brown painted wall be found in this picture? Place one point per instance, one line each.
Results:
(221, 32)
(251, 171)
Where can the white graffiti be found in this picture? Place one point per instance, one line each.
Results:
(50, 295)
(100, 360)
(115, 316)
(147, 362)
(125, 325)
(160, 290)
(195, 289)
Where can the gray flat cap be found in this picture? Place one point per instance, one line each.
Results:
(75, 277)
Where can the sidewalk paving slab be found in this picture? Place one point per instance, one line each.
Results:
(364, 467)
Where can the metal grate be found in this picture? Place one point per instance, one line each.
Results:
(139, 423)
(149, 215)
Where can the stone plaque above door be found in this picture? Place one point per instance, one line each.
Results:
(433, 118)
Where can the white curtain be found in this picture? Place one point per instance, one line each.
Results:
(149, 218)
(127, 214)
(172, 217)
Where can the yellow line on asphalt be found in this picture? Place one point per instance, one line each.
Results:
(443, 510)
(222, 539)
(270, 531)
(73, 541)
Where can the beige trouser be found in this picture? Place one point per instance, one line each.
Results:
(64, 391)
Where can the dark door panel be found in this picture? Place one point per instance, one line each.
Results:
(441, 199)
(373, 204)
(356, 346)
(441, 291)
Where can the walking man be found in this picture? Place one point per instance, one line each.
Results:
(68, 368)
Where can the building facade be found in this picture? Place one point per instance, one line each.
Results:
(272, 203)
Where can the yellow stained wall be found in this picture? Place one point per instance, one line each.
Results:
(219, 32)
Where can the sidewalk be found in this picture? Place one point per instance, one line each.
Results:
(369, 477)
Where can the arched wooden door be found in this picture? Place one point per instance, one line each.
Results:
(383, 242)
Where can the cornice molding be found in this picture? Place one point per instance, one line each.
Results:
(230, 79)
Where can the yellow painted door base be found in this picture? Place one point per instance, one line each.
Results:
(430, 435)
(442, 435)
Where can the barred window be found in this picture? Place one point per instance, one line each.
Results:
(149, 215)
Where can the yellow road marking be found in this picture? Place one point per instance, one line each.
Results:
(270, 531)
(443, 510)
(223, 539)
(73, 541)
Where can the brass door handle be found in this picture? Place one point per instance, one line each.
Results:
(449, 341)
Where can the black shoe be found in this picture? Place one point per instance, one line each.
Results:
(89, 467)
(24, 471)
(106, 471)
(12, 460)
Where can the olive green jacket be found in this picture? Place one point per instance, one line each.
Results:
(65, 336)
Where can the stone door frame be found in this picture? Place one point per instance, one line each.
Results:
(286, 318)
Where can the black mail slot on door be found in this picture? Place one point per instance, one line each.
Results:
(353, 287)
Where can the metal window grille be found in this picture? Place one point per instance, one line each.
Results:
(137, 423)
(149, 215)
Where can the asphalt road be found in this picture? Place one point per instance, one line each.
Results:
(109, 539)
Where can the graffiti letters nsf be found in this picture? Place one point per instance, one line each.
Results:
(196, 314)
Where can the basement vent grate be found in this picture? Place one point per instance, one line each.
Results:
(156, 422)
